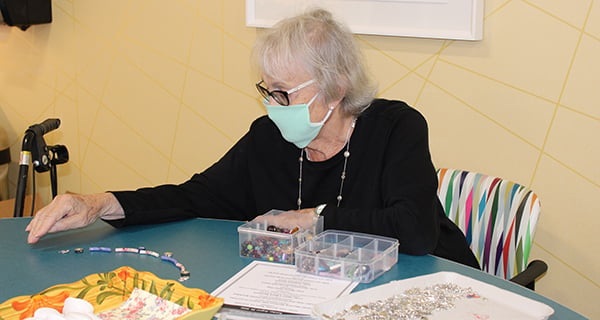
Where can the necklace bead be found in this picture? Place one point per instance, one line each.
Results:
(343, 175)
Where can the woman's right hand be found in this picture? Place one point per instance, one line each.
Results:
(71, 211)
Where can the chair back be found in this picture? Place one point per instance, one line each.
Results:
(497, 216)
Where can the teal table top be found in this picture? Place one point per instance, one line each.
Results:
(208, 248)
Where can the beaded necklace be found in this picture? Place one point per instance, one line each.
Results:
(343, 176)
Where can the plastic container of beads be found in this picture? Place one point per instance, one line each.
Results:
(347, 255)
(264, 241)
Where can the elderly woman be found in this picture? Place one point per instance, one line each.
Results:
(326, 147)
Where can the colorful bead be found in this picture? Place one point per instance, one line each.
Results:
(150, 253)
(269, 249)
(128, 250)
(168, 256)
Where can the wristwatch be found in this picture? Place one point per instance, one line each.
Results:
(319, 209)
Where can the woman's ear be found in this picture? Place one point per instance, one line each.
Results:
(340, 96)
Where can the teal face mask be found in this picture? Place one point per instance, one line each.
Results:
(294, 123)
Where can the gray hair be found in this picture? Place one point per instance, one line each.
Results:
(323, 47)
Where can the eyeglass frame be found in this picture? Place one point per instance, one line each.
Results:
(265, 93)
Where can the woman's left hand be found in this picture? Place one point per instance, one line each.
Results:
(302, 219)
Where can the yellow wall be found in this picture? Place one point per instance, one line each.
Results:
(152, 91)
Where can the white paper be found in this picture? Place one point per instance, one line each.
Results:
(279, 288)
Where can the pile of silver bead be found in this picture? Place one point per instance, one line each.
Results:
(412, 304)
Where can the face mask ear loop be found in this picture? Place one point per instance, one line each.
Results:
(331, 107)
(309, 103)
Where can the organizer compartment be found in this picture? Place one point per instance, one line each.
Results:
(256, 242)
(347, 255)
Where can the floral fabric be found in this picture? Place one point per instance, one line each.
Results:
(143, 305)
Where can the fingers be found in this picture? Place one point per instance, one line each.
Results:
(69, 211)
(260, 219)
(287, 220)
(305, 211)
(303, 218)
(47, 219)
(39, 226)
(36, 231)
(66, 223)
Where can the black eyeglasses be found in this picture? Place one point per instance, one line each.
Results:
(280, 96)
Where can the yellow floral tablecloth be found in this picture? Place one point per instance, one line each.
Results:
(108, 290)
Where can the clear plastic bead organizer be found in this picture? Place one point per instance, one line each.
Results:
(347, 255)
(264, 241)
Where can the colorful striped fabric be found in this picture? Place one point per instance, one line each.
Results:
(497, 216)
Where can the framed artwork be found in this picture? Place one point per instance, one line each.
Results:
(440, 19)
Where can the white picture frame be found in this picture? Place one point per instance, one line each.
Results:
(439, 19)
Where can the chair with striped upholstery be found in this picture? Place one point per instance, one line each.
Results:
(498, 218)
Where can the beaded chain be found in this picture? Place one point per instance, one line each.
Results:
(167, 256)
(343, 175)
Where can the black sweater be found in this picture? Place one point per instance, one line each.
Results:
(390, 187)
